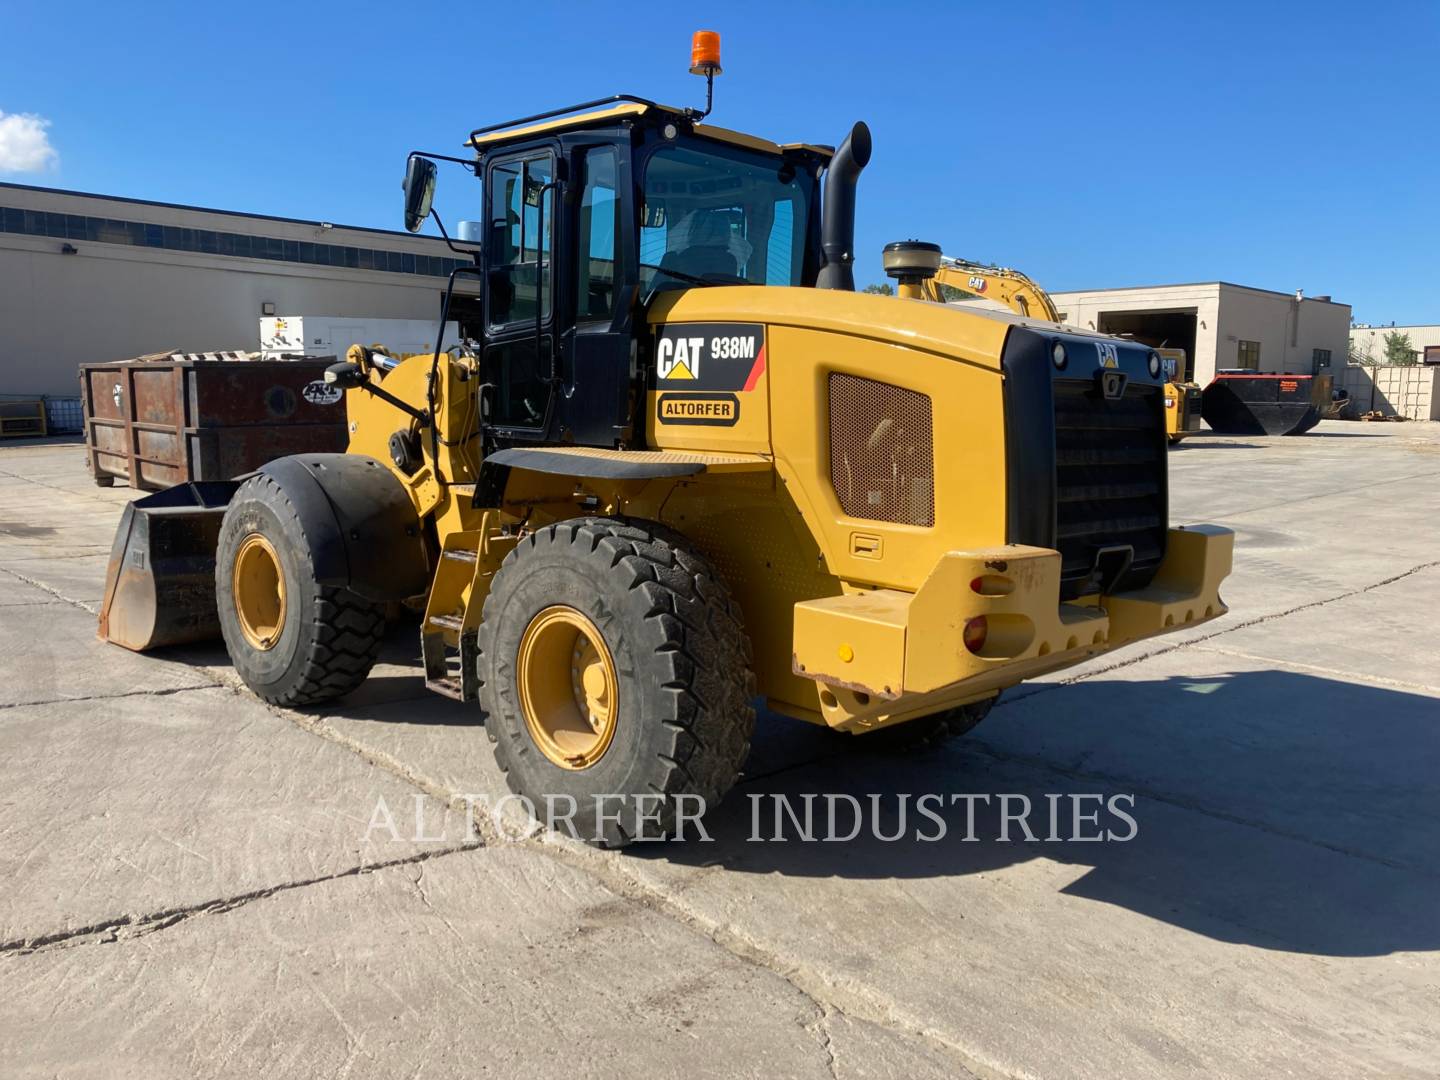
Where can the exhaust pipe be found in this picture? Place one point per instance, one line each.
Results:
(837, 226)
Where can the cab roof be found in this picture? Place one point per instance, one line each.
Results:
(618, 108)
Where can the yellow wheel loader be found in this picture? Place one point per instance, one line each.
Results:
(1182, 397)
(924, 273)
(677, 466)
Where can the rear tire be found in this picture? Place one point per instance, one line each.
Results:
(928, 732)
(671, 710)
(292, 640)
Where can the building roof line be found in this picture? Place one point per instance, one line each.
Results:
(212, 210)
(1387, 327)
(1197, 284)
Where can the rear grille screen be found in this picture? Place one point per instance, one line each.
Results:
(882, 452)
(1109, 478)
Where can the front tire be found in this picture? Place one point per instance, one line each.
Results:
(614, 671)
(292, 640)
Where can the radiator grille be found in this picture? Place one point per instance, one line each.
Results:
(1110, 478)
(1194, 398)
(882, 454)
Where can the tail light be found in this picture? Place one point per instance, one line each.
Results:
(976, 630)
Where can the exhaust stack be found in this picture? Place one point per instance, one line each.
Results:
(837, 226)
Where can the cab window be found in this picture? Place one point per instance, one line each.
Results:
(521, 220)
(713, 215)
(599, 226)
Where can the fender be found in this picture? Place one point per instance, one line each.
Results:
(599, 464)
(359, 522)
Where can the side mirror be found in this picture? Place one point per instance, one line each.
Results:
(419, 191)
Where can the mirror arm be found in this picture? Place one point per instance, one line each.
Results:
(472, 253)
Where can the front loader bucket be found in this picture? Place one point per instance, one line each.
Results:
(160, 584)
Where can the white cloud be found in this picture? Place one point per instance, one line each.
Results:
(24, 146)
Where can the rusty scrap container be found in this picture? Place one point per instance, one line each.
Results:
(155, 424)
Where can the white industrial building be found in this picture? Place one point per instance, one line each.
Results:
(1413, 390)
(92, 278)
(1220, 325)
(1368, 342)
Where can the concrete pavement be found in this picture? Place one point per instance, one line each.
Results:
(195, 884)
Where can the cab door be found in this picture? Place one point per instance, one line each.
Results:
(519, 356)
(598, 345)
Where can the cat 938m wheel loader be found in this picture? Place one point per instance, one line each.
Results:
(677, 464)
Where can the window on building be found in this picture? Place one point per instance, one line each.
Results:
(1320, 358)
(1248, 356)
(1432, 354)
(237, 245)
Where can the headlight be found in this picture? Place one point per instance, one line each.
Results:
(1058, 357)
(1154, 365)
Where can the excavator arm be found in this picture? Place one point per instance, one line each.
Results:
(922, 272)
(1009, 287)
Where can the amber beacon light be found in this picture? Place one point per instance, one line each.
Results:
(705, 53)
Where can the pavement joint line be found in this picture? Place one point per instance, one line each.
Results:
(56, 487)
(316, 725)
(99, 552)
(52, 591)
(1357, 676)
(781, 770)
(1043, 688)
(820, 1028)
(1137, 788)
(856, 1001)
(162, 692)
(127, 927)
(1327, 495)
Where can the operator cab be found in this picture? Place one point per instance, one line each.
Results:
(589, 216)
(591, 211)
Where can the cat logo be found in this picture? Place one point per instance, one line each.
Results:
(1108, 358)
(679, 357)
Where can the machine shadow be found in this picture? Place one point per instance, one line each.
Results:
(1193, 443)
(1302, 815)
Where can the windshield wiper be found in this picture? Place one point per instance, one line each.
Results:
(677, 274)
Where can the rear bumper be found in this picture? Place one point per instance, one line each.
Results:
(883, 656)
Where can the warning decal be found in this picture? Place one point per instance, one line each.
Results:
(710, 356)
(712, 410)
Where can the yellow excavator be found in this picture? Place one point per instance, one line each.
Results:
(677, 464)
(911, 262)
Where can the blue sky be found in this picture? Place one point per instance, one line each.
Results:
(1092, 145)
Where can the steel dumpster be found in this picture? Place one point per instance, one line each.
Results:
(153, 424)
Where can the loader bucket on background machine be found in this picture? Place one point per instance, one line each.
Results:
(160, 583)
(1248, 403)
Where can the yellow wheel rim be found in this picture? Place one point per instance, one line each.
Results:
(568, 688)
(259, 590)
